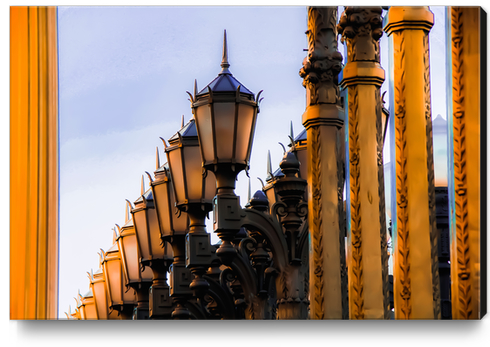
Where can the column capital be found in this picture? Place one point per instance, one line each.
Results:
(323, 114)
(323, 63)
(362, 72)
(361, 27)
(408, 17)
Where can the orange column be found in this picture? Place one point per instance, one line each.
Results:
(464, 189)
(415, 267)
(324, 123)
(367, 255)
(33, 163)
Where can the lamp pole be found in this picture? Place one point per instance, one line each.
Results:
(361, 29)
(324, 123)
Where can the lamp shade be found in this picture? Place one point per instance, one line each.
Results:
(190, 185)
(171, 221)
(130, 255)
(147, 228)
(98, 288)
(117, 292)
(302, 154)
(226, 113)
(87, 306)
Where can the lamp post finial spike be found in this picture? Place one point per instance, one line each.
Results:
(269, 163)
(142, 184)
(158, 159)
(224, 62)
(126, 215)
(249, 190)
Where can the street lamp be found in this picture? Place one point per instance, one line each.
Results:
(174, 224)
(194, 190)
(98, 287)
(87, 306)
(137, 277)
(154, 252)
(225, 112)
(120, 297)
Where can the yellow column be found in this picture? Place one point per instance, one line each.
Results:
(323, 120)
(415, 269)
(367, 254)
(33, 163)
(463, 24)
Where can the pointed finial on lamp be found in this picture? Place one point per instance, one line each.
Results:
(195, 88)
(101, 258)
(269, 164)
(224, 62)
(126, 216)
(158, 159)
(249, 189)
(291, 133)
(182, 124)
(142, 184)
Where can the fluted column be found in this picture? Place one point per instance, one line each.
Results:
(415, 270)
(33, 163)
(324, 120)
(367, 255)
(465, 194)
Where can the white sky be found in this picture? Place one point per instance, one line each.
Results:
(123, 76)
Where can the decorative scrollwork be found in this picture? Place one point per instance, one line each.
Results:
(247, 246)
(226, 276)
(280, 209)
(358, 22)
(323, 63)
(302, 209)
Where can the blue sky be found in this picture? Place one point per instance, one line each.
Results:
(123, 77)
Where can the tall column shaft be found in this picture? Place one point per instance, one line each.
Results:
(415, 270)
(33, 163)
(367, 255)
(464, 158)
(323, 120)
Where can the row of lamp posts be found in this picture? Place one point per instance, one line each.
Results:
(259, 269)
